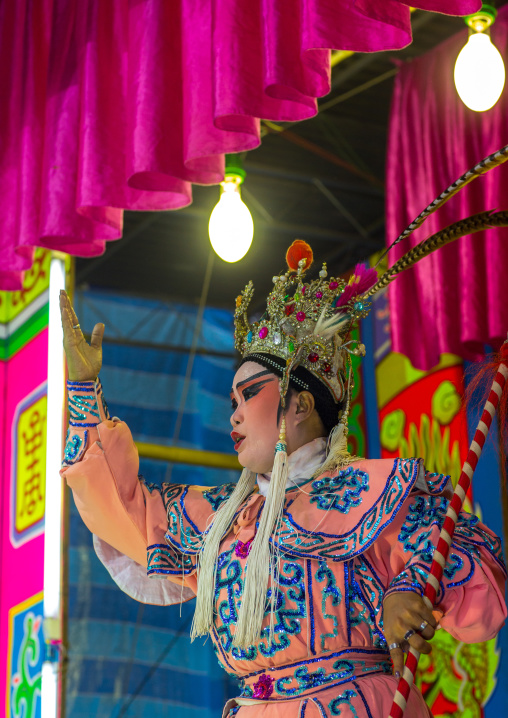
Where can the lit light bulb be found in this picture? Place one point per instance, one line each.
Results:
(479, 73)
(231, 227)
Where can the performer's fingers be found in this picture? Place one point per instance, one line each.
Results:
(397, 656)
(412, 638)
(97, 335)
(427, 616)
(66, 302)
(421, 645)
(73, 313)
(428, 622)
(427, 632)
(66, 320)
(63, 304)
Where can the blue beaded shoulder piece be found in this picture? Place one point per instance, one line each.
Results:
(360, 502)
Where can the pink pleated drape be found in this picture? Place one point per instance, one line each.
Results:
(112, 105)
(454, 300)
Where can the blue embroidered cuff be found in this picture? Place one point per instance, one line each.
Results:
(87, 408)
(162, 561)
(413, 578)
(403, 585)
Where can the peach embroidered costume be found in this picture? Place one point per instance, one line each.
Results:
(347, 539)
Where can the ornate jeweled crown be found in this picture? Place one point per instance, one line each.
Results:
(307, 323)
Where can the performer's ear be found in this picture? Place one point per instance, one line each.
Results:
(305, 405)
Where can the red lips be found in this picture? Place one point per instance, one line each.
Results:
(237, 438)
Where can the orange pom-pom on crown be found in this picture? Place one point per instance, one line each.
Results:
(299, 250)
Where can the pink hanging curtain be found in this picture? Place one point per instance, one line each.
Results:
(454, 300)
(120, 105)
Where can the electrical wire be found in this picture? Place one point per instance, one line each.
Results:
(162, 655)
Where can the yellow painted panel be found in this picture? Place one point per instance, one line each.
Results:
(36, 281)
(31, 465)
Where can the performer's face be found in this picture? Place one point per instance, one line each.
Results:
(256, 415)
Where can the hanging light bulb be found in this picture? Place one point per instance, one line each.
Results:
(231, 227)
(479, 70)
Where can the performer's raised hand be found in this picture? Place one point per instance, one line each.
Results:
(407, 622)
(84, 360)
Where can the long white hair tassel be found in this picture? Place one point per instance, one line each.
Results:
(338, 456)
(262, 564)
(203, 619)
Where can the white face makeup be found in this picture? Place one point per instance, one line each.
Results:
(255, 400)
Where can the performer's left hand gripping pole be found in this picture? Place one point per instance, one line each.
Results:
(446, 536)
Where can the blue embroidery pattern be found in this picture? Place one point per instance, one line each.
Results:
(290, 607)
(295, 540)
(291, 578)
(149, 484)
(182, 532)
(343, 698)
(365, 592)
(218, 494)
(341, 492)
(343, 670)
(425, 514)
(81, 407)
(436, 482)
(74, 447)
(330, 592)
(299, 679)
(162, 560)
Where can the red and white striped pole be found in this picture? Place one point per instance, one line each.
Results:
(448, 529)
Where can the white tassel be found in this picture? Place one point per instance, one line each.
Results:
(262, 564)
(203, 621)
(338, 456)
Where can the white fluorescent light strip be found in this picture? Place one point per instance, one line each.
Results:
(54, 496)
(49, 692)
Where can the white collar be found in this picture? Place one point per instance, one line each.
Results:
(302, 463)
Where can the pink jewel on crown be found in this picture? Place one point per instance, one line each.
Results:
(242, 549)
(263, 688)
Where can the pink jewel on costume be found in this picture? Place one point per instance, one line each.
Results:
(242, 549)
(300, 316)
(263, 332)
(333, 285)
(263, 688)
(319, 295)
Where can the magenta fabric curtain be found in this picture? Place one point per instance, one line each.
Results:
(453, 300)
(120, 105)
